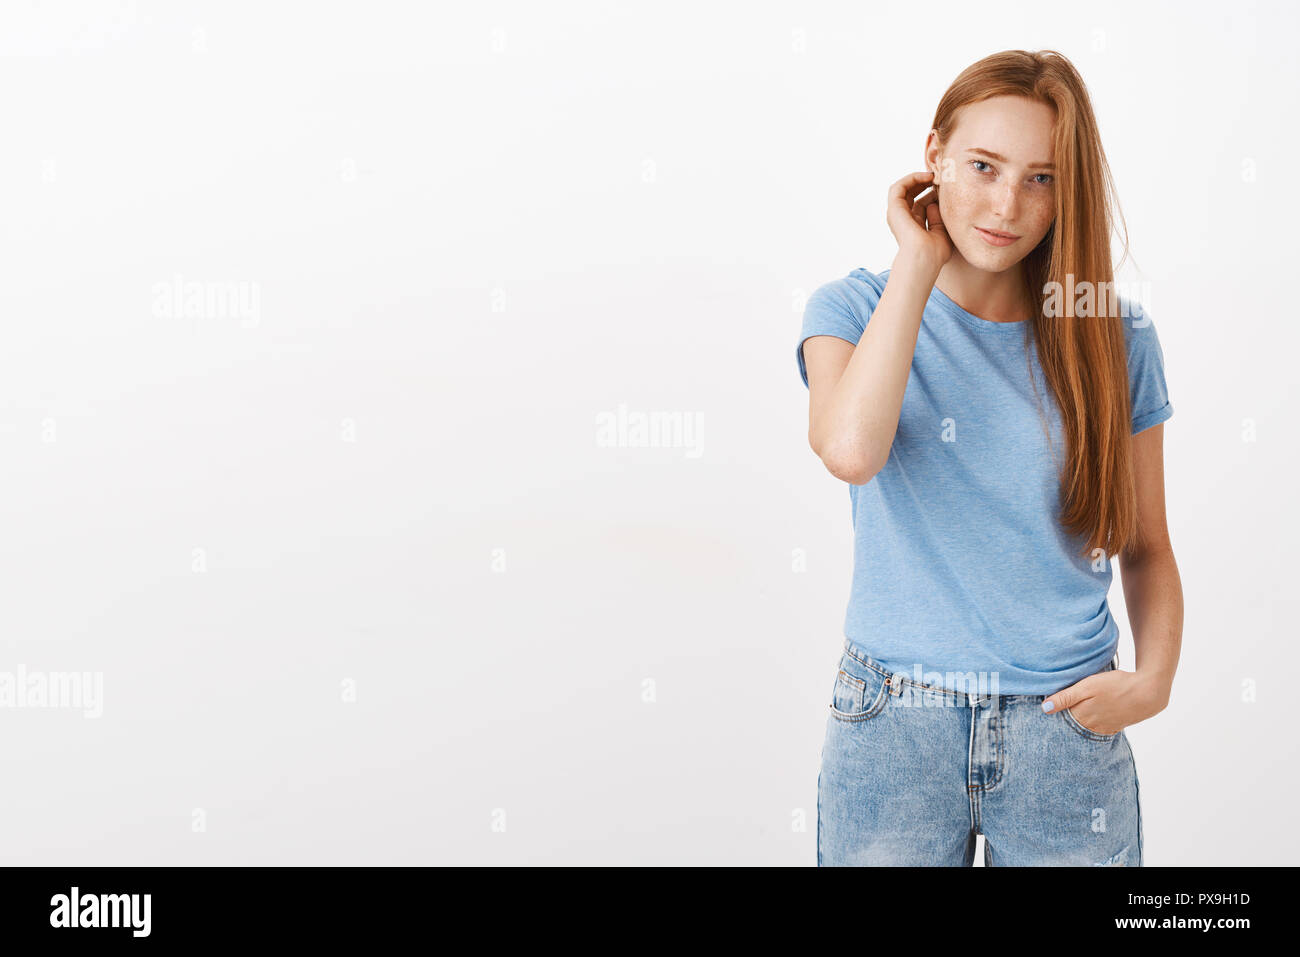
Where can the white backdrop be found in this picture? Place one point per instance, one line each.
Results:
(316, 320)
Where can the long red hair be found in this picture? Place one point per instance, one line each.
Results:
(1082, 356)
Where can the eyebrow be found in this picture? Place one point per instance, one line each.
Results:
(1003, 159)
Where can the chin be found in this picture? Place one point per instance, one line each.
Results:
(990, 259)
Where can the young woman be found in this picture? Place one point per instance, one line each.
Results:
(996, 410)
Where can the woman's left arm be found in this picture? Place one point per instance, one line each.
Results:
(1153, 592)
(1109, 701)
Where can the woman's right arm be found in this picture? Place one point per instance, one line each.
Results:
(856, 392)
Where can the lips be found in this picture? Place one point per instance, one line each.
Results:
(996, 238)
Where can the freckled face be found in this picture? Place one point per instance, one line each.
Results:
(980, 195)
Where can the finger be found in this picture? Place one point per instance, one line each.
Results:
(1065, 698)
(933, 218)
(917, 184)
(919, 204)
(907, 188)
(921, 207)
(912, 179)
(1070, 697)
(1087, 687)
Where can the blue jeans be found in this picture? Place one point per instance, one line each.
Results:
(911, 772)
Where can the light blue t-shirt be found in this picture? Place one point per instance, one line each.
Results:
(960, 564)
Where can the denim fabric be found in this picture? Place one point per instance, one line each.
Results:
(911, 772)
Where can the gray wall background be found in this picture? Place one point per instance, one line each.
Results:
(363, 578)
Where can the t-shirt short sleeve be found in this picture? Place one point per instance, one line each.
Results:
(1149, 394)
(834, 309)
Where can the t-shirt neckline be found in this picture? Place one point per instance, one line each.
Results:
(987, 326)
(974, 321)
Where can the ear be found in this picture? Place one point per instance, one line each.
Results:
(930, 155)
(934, 157)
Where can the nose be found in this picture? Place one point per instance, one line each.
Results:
(1006, 202)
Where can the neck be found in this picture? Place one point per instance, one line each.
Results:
(994, 296)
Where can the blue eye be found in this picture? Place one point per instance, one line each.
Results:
(978, 162)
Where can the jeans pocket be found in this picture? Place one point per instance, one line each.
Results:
(859, 693)
(1088, 733)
